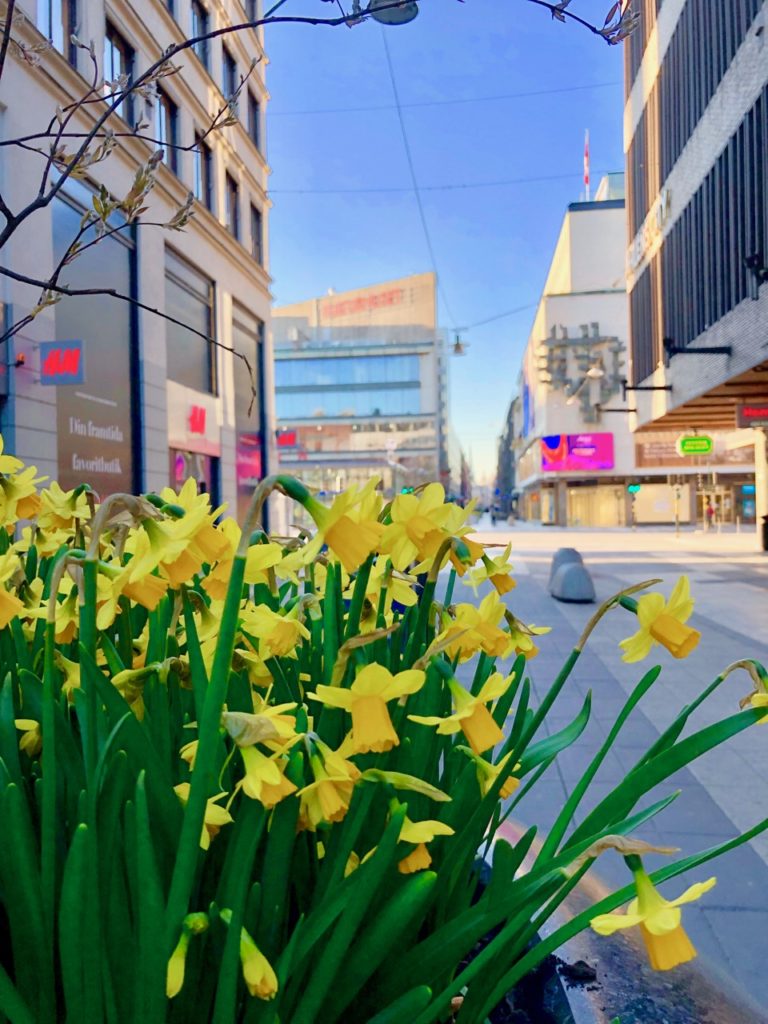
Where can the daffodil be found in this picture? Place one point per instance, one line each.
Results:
(349, 527)
(522, 637)
(662, 622)
(326, 800)
(366, 700)
(193, 924)
(471, 716)
(215, 817)
(277, 634)
(487, 774)
(419, 833)
(496, 571)
(659, 921)
(259, 977)
(62, 510)
(31, 743)
(477, 628)
(417, 526)
(8, 463)
(265, 778)
(759, 701)
(71, 670)
(18, 496)
(11, 606)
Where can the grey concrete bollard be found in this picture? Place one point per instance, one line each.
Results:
(563, 556)
(572, 582)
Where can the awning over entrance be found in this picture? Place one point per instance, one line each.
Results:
(716, 409)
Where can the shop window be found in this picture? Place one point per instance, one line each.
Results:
(203, 469)
(248, 342)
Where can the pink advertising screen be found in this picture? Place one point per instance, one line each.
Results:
(570, 453)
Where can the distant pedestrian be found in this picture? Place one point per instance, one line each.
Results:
(709, 512)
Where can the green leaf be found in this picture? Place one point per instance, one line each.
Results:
(405, 1007)
(74, 893)
(11, 1003)
(374, 943)
(552, 745)
(149, 1006)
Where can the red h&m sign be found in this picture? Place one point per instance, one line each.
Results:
(62, 362)
(753, 415)
(197, 419)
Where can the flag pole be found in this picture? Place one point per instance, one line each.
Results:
(586, 164)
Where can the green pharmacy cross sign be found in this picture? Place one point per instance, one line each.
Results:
(695, 444)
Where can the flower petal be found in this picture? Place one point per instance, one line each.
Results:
(607, 924)
(694, 892)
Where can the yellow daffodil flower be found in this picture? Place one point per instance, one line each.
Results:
(277, 634)
(193, 924)
(11, 606)
(260, 979)
(18, 496)
(521, 638)
(215, 817)
(488, 773)
(496, 571)
(397, 587)
(8, 463)
(477, 628)
(349, 527)
(265, 778)
(31, 743)
(71, 670)
(760, 700)
(62, 510)
(659, 920)
(327, 799)
(663, 622)
(366, 700)
(472, 716)
(419, 833)
(417, 526)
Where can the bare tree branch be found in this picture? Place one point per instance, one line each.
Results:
(6, 34)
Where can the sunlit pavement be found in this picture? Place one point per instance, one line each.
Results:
(725, 791)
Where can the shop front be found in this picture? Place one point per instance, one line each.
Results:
(194, 439)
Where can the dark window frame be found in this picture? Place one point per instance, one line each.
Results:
(254, 119)
(229, 75)
(167, 124)
(232, 205)
(117, 43)
(257, 234)
(202, 156)
(63, 14)
(180, 282)
(201, 20)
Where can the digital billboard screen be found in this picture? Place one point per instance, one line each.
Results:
(573, 453)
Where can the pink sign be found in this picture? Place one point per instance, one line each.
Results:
(573, 453)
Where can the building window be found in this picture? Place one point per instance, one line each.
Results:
(232, 206)
(254, 120)
(252, 10)
(257, 235)
(203, 181)
(189, 298)
(118, 60)
(167, 126)
(57, 20)
(229, 74)
(247, 341)
(200, 24)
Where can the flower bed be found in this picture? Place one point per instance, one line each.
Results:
(246, 778)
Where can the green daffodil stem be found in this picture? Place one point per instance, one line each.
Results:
(204, 772)
(613, 602)
(358, 597)
(49, 815)
(449, 587)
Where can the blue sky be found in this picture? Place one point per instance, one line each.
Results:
(492, 245)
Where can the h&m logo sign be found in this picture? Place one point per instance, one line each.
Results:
(197, 417)
(62, 362)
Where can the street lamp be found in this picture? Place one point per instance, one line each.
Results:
(385, 13)
(595, 372)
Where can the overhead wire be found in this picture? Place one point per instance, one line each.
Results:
(414, 181)
(451, 186)
(445, 103)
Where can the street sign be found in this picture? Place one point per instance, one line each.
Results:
(694, 444)
(753, 415)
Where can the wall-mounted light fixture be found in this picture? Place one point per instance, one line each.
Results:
(626, 386)
(758, 273)
(671, 349)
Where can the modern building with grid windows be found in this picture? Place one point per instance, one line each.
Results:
(696, 140)
(154, 402)
(361, 389)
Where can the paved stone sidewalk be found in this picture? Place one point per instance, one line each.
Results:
(723, 793)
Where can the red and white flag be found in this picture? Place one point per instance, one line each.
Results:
(586, 163)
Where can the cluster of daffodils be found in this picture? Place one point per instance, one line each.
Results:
(325, 709)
